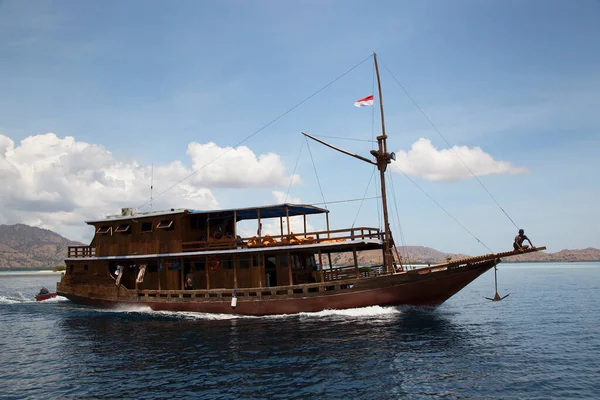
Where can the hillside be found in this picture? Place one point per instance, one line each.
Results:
(24, 246)
(589, 254)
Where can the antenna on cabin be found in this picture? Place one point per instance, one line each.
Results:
(151, 184)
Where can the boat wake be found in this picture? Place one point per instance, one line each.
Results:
(363, 312)
(57, 299)
(185, 315)
(15, 300)
(352, 313)
(20, 299)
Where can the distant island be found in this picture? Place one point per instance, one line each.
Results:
(24, 247)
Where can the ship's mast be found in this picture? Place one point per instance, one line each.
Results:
(383, 158)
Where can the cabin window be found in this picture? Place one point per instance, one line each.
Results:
(146, 226)
(124, 228)
(199, 265)
(226, 263)
(104, 229)
(165, 224)
(197, 223)
(297, 262)
(244, 262)
(283, 260)
(112, 268)
(173, 265)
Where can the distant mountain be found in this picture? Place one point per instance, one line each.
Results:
(427, 255)
(589, 254)
(24, 246)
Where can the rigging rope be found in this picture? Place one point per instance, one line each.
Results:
(347, 201)
(364, 196)
(293, 173)
(259, 130)
(398, 218)
(449, 145)
(446, 211)
(316, 174)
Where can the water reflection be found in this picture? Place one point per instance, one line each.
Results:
(193, 354)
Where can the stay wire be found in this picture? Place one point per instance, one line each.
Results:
(449, 145)
(364, 197)
(446, 211)
(316, 174)
(294, 173)
(398, 217)
(259, 130)
(347, 201)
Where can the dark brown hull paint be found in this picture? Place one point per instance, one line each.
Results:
(412, 288)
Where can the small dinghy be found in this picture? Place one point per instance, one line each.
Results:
(44, 294)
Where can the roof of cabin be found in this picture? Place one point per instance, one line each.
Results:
(272, 211)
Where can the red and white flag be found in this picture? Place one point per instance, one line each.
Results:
(364, 102)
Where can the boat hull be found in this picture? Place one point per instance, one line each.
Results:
(425, 287)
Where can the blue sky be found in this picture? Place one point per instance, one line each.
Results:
(141, 80)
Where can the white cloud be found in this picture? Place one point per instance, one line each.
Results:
(57, 183)
(425, 161)
(238, 167)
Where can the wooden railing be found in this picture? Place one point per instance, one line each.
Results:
(228, 243)
(251, 293)
(81, 251)
(348, 272)
(283, 240)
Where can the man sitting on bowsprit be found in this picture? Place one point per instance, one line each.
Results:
(519, 239)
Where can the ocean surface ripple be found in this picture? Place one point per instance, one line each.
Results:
(541, 342)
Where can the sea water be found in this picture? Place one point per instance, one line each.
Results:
(541, 342)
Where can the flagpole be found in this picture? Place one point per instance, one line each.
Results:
(383, 159)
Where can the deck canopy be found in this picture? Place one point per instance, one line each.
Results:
(274, 211)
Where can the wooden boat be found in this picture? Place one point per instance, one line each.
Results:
(44, 294)
(194, 260)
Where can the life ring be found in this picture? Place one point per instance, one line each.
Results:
(213, 263)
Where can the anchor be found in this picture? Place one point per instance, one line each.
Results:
(496, 296)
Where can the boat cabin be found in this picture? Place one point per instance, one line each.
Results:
(180, 230)
(185, 249)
